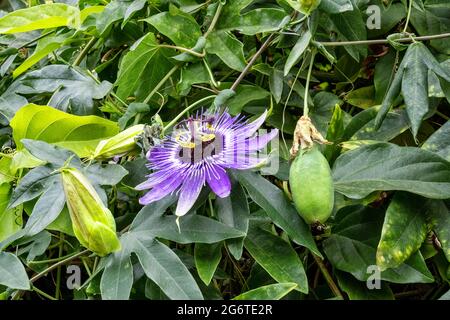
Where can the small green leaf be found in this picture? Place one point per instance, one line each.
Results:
(178, 26)
(117, 278)
(270, 292)
(404, 230)
(164, 267)
(207, 258)
(234, 212)
(44, 47)
(12, 272)
(297, 51)
(227, 48)
(47, 208)
(277, 257)
(32, 185)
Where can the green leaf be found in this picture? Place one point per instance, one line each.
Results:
(133, 109)
(79, 134)
(49, 153)
(142, 68)
(404, 230)
(297, 51)
(277, 257)
(40, 17)
(276, 84)
(44, 47)
(412, 80)
(385, 166)
(207, 258)
(351, 27)
(10, 104)
(113, 12)
(178, 26)
(352, 248)
(244, 95)
(72, 90)
(432, 17)
(415, 88)
(362, 97)
(117, 278)
(32, 185)
(227, 48)
(362, 126)
(439, 214)
(438, 142)
(277, 207)
(12, 272)
(357, 290)
(270, 292)
(10, 220)
(193, 228)
(336, 6)
(164, 267)
(234, 212)
(47, 208)
(192, 74)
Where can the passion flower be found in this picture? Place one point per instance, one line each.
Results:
(198, 152)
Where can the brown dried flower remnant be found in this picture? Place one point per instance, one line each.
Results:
(305, 135)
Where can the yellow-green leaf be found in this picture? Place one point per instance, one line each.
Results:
(44, 16)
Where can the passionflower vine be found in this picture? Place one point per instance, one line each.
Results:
(198, 152)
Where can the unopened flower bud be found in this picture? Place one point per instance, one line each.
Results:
(93, 223)
(119, 145)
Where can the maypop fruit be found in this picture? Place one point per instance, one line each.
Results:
(312, 186)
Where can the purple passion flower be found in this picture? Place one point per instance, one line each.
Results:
(199, 151)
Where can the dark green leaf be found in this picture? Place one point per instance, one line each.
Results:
(277, 257)
(270, 292)
(71, 89)
(207, 258)
(277, 207)
(385, 166)
(177, 25)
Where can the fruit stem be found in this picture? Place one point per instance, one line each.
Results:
(308, 79)
(333, 286)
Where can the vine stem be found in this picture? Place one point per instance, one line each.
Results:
(384, 41)
(328, 278)
(85, 51)
(190, 107)
(160, 84)
(194, 53)
(252, 61)
(56, 265)
(408, 15)
(214, 20)
(308, 79)
(59, 270)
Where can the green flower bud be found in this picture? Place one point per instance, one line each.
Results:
(93, 223)
(308, 6)
(119, 145)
